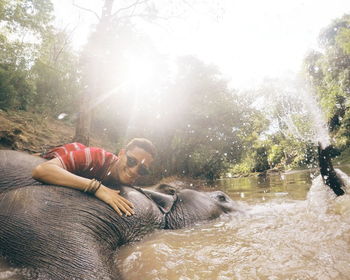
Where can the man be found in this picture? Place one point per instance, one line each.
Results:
(89, 169)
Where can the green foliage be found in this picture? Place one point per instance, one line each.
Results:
(56, 76)
(255, 160)
(275, 155)
(330, 75)
(23, 25)
(205, 118)
(15, 90)
(38, 70)
(20, 16)
(343, 40)
(245, 167)
(259, 156)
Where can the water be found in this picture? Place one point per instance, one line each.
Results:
(288, 231)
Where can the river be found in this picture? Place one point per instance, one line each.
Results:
(286, 231)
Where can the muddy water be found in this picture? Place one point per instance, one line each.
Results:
(288, 231)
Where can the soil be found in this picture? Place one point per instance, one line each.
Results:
(34, 133)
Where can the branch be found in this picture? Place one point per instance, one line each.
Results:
(145, 16)
(137, 2)
(64, 44)
(86, 9)
(51, 67)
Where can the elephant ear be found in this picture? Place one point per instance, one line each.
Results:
(164, 201)
(167, 189)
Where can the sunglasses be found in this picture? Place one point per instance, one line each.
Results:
(132, 162)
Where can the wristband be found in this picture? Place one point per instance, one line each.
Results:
(93, 186)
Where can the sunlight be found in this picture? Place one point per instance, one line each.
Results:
(246, 51)
(140, 74)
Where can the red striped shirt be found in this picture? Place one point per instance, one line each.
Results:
(88, 162)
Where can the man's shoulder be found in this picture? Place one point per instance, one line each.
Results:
(100, 151)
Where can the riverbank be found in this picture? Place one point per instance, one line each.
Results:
(342, 159)
(33, 133)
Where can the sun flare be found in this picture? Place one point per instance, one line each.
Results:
(140, 74)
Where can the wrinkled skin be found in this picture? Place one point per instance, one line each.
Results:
(61, 233)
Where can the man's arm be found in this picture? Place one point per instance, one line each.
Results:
(52, 172)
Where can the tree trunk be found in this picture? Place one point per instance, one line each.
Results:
(83, 125)
(94, 68)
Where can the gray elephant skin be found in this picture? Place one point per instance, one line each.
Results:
(54, 232)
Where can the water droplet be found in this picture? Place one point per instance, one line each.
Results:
(62, 116)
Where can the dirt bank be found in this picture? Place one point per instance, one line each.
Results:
(34, 133)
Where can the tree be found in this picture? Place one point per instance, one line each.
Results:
(101, 50)
(330, 75)
(204, 122)
(16, 92)
(23, 25)
(56, 75)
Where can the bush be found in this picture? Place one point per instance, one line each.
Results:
(15, 91)
(275, 155)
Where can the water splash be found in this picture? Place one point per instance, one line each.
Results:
(301, 114)
(319, 125)
(321, 199)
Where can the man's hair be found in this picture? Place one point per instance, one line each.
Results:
(144, 144)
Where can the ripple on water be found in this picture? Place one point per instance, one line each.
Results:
(281, 239)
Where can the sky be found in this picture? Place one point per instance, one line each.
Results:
(249, 40)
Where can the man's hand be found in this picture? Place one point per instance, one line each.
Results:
(115, 200)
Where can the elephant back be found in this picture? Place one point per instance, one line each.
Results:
(16, 169)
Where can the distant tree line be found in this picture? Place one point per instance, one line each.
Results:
(201, 127)
(325, 78)
(329, 72)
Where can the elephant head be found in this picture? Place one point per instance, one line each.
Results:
(185, 207)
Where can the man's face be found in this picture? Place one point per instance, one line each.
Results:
(132, 164)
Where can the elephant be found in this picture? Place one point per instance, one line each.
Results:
(53, 232)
